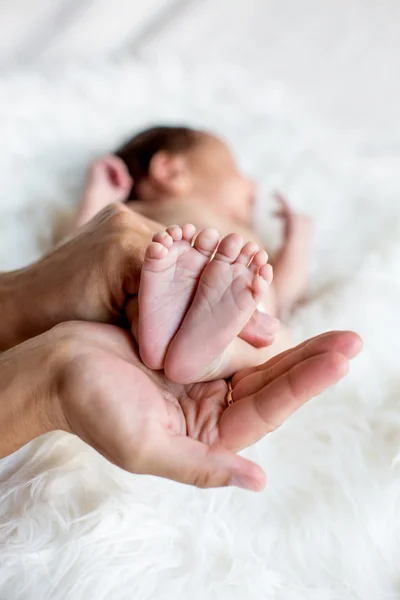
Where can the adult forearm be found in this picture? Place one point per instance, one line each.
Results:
(10, 310)
(27, 385)
(23, 311)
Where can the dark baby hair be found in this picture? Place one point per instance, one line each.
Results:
(139, 150)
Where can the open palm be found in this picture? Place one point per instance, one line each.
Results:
(144, 423)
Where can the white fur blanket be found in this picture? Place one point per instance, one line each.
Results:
(327, 526)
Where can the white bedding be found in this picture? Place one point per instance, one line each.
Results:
(327, 526)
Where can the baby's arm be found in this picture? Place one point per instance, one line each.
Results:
(291, 263)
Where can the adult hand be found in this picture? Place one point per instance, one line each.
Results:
(144, 423)
(91, 277)
(86, 278)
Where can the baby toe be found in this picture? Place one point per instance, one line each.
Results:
(267, 273)
(259, 288)
(207, 241)
(162, 237)
(260, 258)
(229, 248)
(156, 251)
(175, 232)
(188, 232)
(247, 253)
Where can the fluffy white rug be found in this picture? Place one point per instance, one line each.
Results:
(327, 527)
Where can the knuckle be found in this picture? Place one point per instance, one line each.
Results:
(63, 329)
(136, 453)
(291, 386)
(211, 479)
(120, 242)
(120, 217)
(202, 479)
(66, 336)
(269, 424)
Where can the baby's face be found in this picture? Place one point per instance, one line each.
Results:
(218, 181)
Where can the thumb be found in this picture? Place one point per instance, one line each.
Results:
(194, 463)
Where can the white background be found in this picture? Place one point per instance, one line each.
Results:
(338, 58)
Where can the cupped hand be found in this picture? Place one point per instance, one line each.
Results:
(144, 423)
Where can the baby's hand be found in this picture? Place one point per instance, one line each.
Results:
(294, 224)
(107, 182)
(291, 262)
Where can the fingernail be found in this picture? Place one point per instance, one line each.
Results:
(245, 483)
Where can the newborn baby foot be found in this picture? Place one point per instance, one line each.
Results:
(229, 290)
(170, 274)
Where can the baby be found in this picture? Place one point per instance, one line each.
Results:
(180, 175)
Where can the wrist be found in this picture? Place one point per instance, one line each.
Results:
(24, 303)
(12, 309)
(29, 375)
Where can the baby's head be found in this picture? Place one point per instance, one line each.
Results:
(182, 164)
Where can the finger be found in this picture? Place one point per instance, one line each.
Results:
(283, 203)
(189, 461)
(347, 343)
(284, 210)
(260, 330)
(118, 171)
(253, 417)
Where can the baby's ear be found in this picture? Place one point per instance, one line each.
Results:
(169, 172)
(117, 172)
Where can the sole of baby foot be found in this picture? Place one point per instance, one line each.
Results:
(229, 290)
(171, 271)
